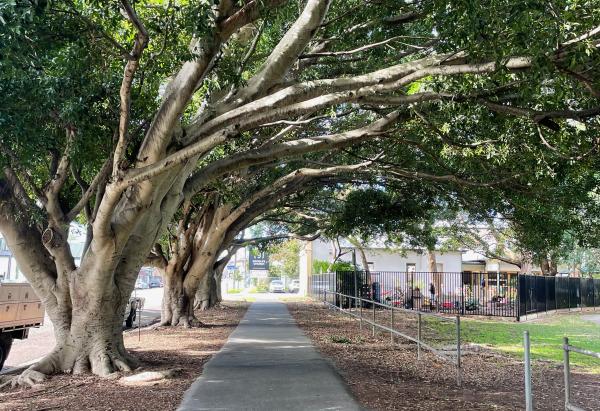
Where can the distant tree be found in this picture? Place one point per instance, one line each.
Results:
(284, 259)
(322, 266)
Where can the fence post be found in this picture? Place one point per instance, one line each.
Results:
(419, 336)
(528, 394)
(458, 353)
(518, 299)
(355, 289)
(392, 324)
(546, 293)
(361, 306)
(462, 297)
(567, 372)
(569, 292)
(373, 325)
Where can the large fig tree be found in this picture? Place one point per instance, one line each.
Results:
(117, 113)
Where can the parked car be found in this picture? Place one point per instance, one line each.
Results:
(276, 286)
(294, 286)
(155, 282)
(141, 284)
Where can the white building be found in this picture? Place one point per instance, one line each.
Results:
(379, 258)
(9, 271)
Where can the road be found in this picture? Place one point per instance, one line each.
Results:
(41, 340)
(259, 296)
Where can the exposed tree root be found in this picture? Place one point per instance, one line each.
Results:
(28, 378)
(203, 305)
(101, 363)
(150, 376)
(107, 363)
(190, 322)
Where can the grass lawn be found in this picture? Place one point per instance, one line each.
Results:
(546, 337)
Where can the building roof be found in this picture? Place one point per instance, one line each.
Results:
(382, 244)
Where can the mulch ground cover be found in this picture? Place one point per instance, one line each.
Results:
(383, 376)
(186, 350)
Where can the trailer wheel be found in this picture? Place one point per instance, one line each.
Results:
(5, 344)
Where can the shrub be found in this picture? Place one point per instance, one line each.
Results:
(339, 339)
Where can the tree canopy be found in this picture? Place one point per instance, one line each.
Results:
(126, 114)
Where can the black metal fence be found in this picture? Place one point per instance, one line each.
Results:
(541, 293)
(464, 293)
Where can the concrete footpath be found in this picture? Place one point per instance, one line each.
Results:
(268, 364)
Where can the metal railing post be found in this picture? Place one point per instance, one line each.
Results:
(373, 325)
(355, 288)
(392, 324)
(462, 298)
(528, 393)
(567, 372)
(518, 299)
(458, 353)
(361, 316)
(419, 336)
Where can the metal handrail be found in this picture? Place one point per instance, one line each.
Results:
(567, 370)
(456, 360)
(406, 310)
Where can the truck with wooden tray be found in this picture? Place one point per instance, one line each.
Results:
(20, 310)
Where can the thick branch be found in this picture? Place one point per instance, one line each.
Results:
(257, 240)
(141, 40)
(287, 50)
(451, 178)
(88, 192)
(296, 176)
(287, 149)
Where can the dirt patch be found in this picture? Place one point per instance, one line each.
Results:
(185, 350)
(383, 376)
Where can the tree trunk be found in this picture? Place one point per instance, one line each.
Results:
(548, 266)
(437, 277)
(526, 263)
(88, 333)
(208, 294)
(207, 246)
(177, 305)
(218, 282)
(363, 258)
(553, 267)
(204, 292)
(214, 291)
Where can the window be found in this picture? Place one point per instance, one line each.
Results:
(411, 267)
